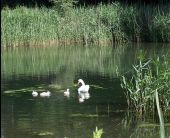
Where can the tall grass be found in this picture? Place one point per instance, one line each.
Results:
(101, 24)
(147, 78)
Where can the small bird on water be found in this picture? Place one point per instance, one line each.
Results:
(45, 94)
(67, 93)
(34, 93)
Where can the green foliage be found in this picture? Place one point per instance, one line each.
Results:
(102, 24)
(97, 133)
(148, 76)
(64, 6)
(161, 26)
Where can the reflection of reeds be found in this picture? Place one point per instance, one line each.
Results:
(60, 60)
(99, 25)
(133, 127)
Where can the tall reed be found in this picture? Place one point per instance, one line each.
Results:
(147, 78)
(101, 24)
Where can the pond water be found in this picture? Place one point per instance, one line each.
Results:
(57, 68)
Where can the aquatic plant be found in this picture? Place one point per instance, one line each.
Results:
(147, 78)
(97, 133)
(143, 128)
(100, 25)
(161, 119)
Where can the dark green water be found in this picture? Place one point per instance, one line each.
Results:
(59, 68)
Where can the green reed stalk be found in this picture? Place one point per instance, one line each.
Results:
(162, 129)
(146, 78)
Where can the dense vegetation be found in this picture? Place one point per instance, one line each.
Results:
(52, 3)
(148, 78)
(99, 24)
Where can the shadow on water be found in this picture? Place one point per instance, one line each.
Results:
(59, 68)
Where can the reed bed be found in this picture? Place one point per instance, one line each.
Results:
(148, 78)
(98, 25)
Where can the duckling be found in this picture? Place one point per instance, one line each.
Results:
(45, 94)
(34, 93)
(48, 93)
(67, 93)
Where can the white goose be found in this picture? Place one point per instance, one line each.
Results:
(67, 93)
(34, 93)
(83, 88)
(45, 94)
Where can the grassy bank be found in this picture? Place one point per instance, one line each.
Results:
(101, 24)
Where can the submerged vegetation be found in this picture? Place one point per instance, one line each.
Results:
(100, 24)
(148, 78)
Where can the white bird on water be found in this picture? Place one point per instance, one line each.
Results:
(45, 94)
(34, 93)
(67, 93)
(83, 88)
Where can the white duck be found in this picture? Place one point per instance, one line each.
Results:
(34, 93)
(45, 94)
(67, 93)
(83, 88)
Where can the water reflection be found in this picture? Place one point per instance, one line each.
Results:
(25, 70)
(140, 127)
(82, 96)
